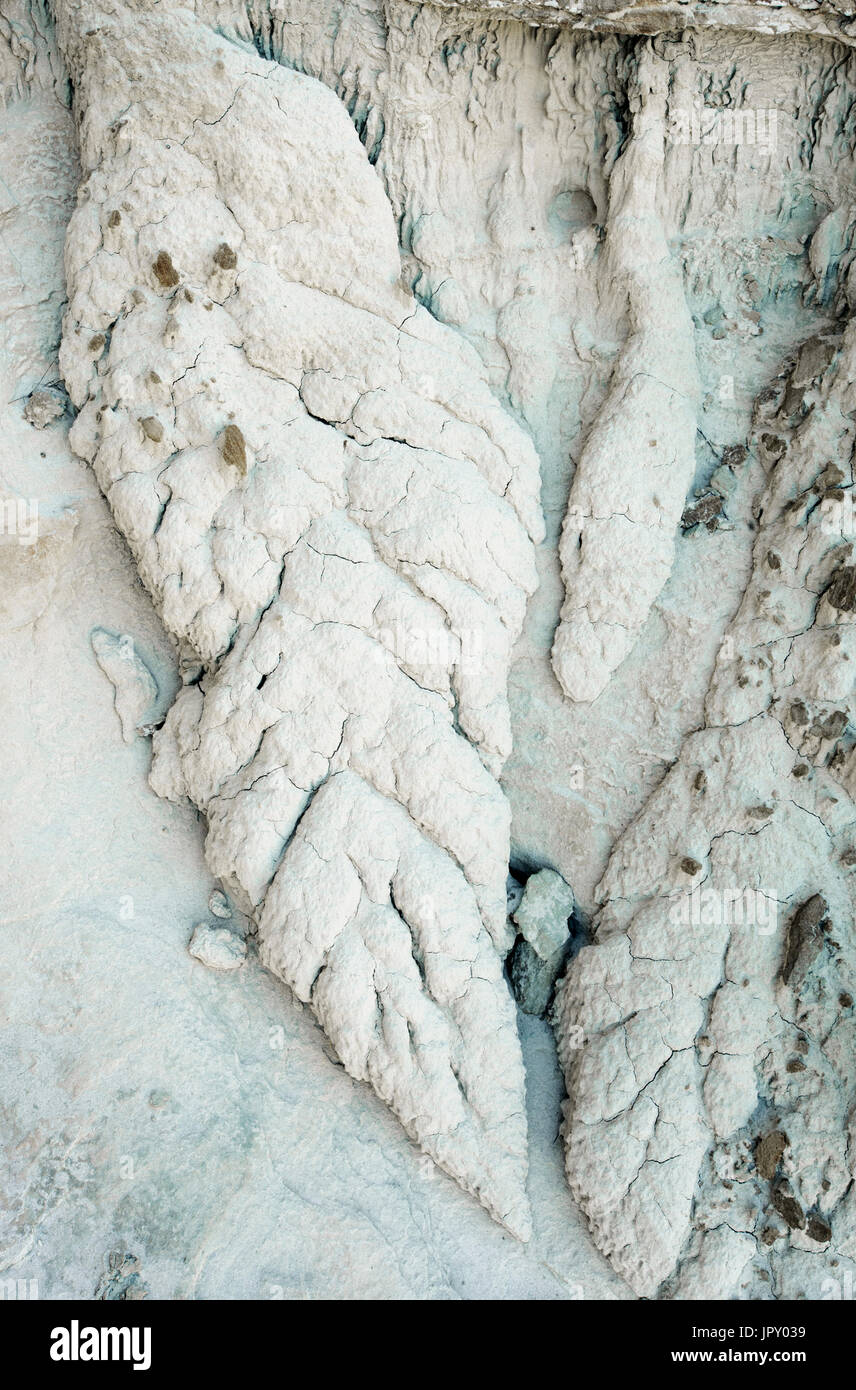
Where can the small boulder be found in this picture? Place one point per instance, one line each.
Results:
(218, 904)
(217, 947)
(234, 449)
(44, 405)
(224, 257)
(532, 979)
(538, 956)
(545, 909)
(165, 272)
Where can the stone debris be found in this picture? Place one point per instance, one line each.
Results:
(217, 947)
(135, 688)
(224, 257)
(235, 449)
(44, 405)
(218, 904)
(538, 956)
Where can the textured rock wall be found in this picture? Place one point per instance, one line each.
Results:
(515, 264)
(334, 518)
(358, 294)
(710, 1028)
(827, 18)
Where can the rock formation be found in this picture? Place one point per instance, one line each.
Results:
(472, 387)
(335, 520)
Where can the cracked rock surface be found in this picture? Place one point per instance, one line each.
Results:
(638, 460)
(329, 508)
(432, 427)
(707, 1035)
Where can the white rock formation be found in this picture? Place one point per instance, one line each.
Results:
(135, 688)
(827, 18)
(638, 460)
(217, 947)
(335, 520)
(707, 1035)
(308, 373)
(543, 918)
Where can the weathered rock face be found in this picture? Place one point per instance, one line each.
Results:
(828, 18)
(638, 459)
(358, 293)
(707, 1036)
(335, 519)
(752, 193)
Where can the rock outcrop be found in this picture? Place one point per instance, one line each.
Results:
(335, 519)
(343, 279)
(638, 459)
(708, 1034)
